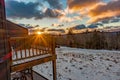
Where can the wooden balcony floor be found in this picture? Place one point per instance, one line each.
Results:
(30, 51)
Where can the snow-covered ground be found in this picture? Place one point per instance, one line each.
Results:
(83, 64)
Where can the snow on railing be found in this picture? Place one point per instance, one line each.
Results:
(31, 46)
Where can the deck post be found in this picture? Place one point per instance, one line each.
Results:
(54, 61)
(54, 69)
(31, 73)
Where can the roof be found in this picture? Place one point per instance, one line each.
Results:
(17, 26)
(15, 30)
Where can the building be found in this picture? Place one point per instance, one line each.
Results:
(15, 30)
(4, 46)
(7, 28)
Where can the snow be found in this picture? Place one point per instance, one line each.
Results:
(83, 64)
(27, 54)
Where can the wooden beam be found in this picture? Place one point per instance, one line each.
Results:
(54, 70)
(31, 74)
(29, 64)
(4, 46)
(54, 61)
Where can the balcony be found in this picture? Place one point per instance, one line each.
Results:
(30, 51)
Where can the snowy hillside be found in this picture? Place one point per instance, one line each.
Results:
(83, 64)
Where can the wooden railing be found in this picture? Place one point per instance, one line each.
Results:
(31, 51)
(31, 46)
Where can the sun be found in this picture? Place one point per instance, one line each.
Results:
(39, 33)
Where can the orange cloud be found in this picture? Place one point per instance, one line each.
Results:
(96, 10)
(81, 5)
(105, 15)
(104, 11)
(69, 19)
(66, 19)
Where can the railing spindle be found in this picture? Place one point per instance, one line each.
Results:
(25, 47)
(32, 51)
(36, 50)
(28, 47)
(16, 54)
(29, 52)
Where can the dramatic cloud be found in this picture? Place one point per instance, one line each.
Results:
(29, 10)
(105, 21)
(77, 27)
(96, 10)
(56, 30)
(69, 19)
(115, 20)
(57, 25)
(81, 5)
(55, 4)
(105, 11)
(28, 25)
(54, 13)
(66, 19)
(93, 26)
(22, 10)
(99, 24)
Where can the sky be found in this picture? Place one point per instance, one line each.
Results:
(63, 13)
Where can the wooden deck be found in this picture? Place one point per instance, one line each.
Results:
(39, 45)
(31, 51)
(22, 66)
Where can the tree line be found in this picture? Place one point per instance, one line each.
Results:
(90, 40)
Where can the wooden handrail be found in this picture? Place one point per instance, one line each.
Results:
(31, 46)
